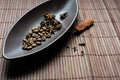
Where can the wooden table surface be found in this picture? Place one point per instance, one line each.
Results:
(99, 59)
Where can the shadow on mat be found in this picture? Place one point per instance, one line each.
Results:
(26, 65)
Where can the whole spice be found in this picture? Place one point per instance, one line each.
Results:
(49, 16)
(37, 35)
(58, 26)
(81, 44)
(38, 42)
(29, 47)
(87, 23)
(82, 53)
(63, 16)
(75, 49)
(43, 38)
(48, 35)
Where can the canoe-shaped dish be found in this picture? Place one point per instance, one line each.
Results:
(12, 47)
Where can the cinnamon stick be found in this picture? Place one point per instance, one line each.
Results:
(87, 23)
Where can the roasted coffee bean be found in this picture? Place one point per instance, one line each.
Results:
(43, 38)
(38, 42)
(28, 36)
(48, 35)
(34, 44)
(28, 48)
(34, 35)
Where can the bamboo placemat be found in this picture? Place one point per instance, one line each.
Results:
(99, 59)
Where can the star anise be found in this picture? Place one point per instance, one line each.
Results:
(49, 16)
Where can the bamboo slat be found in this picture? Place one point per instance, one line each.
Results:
(98, 59)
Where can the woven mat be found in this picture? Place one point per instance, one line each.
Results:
(99, 59)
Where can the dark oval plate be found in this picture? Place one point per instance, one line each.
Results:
(12, 47)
